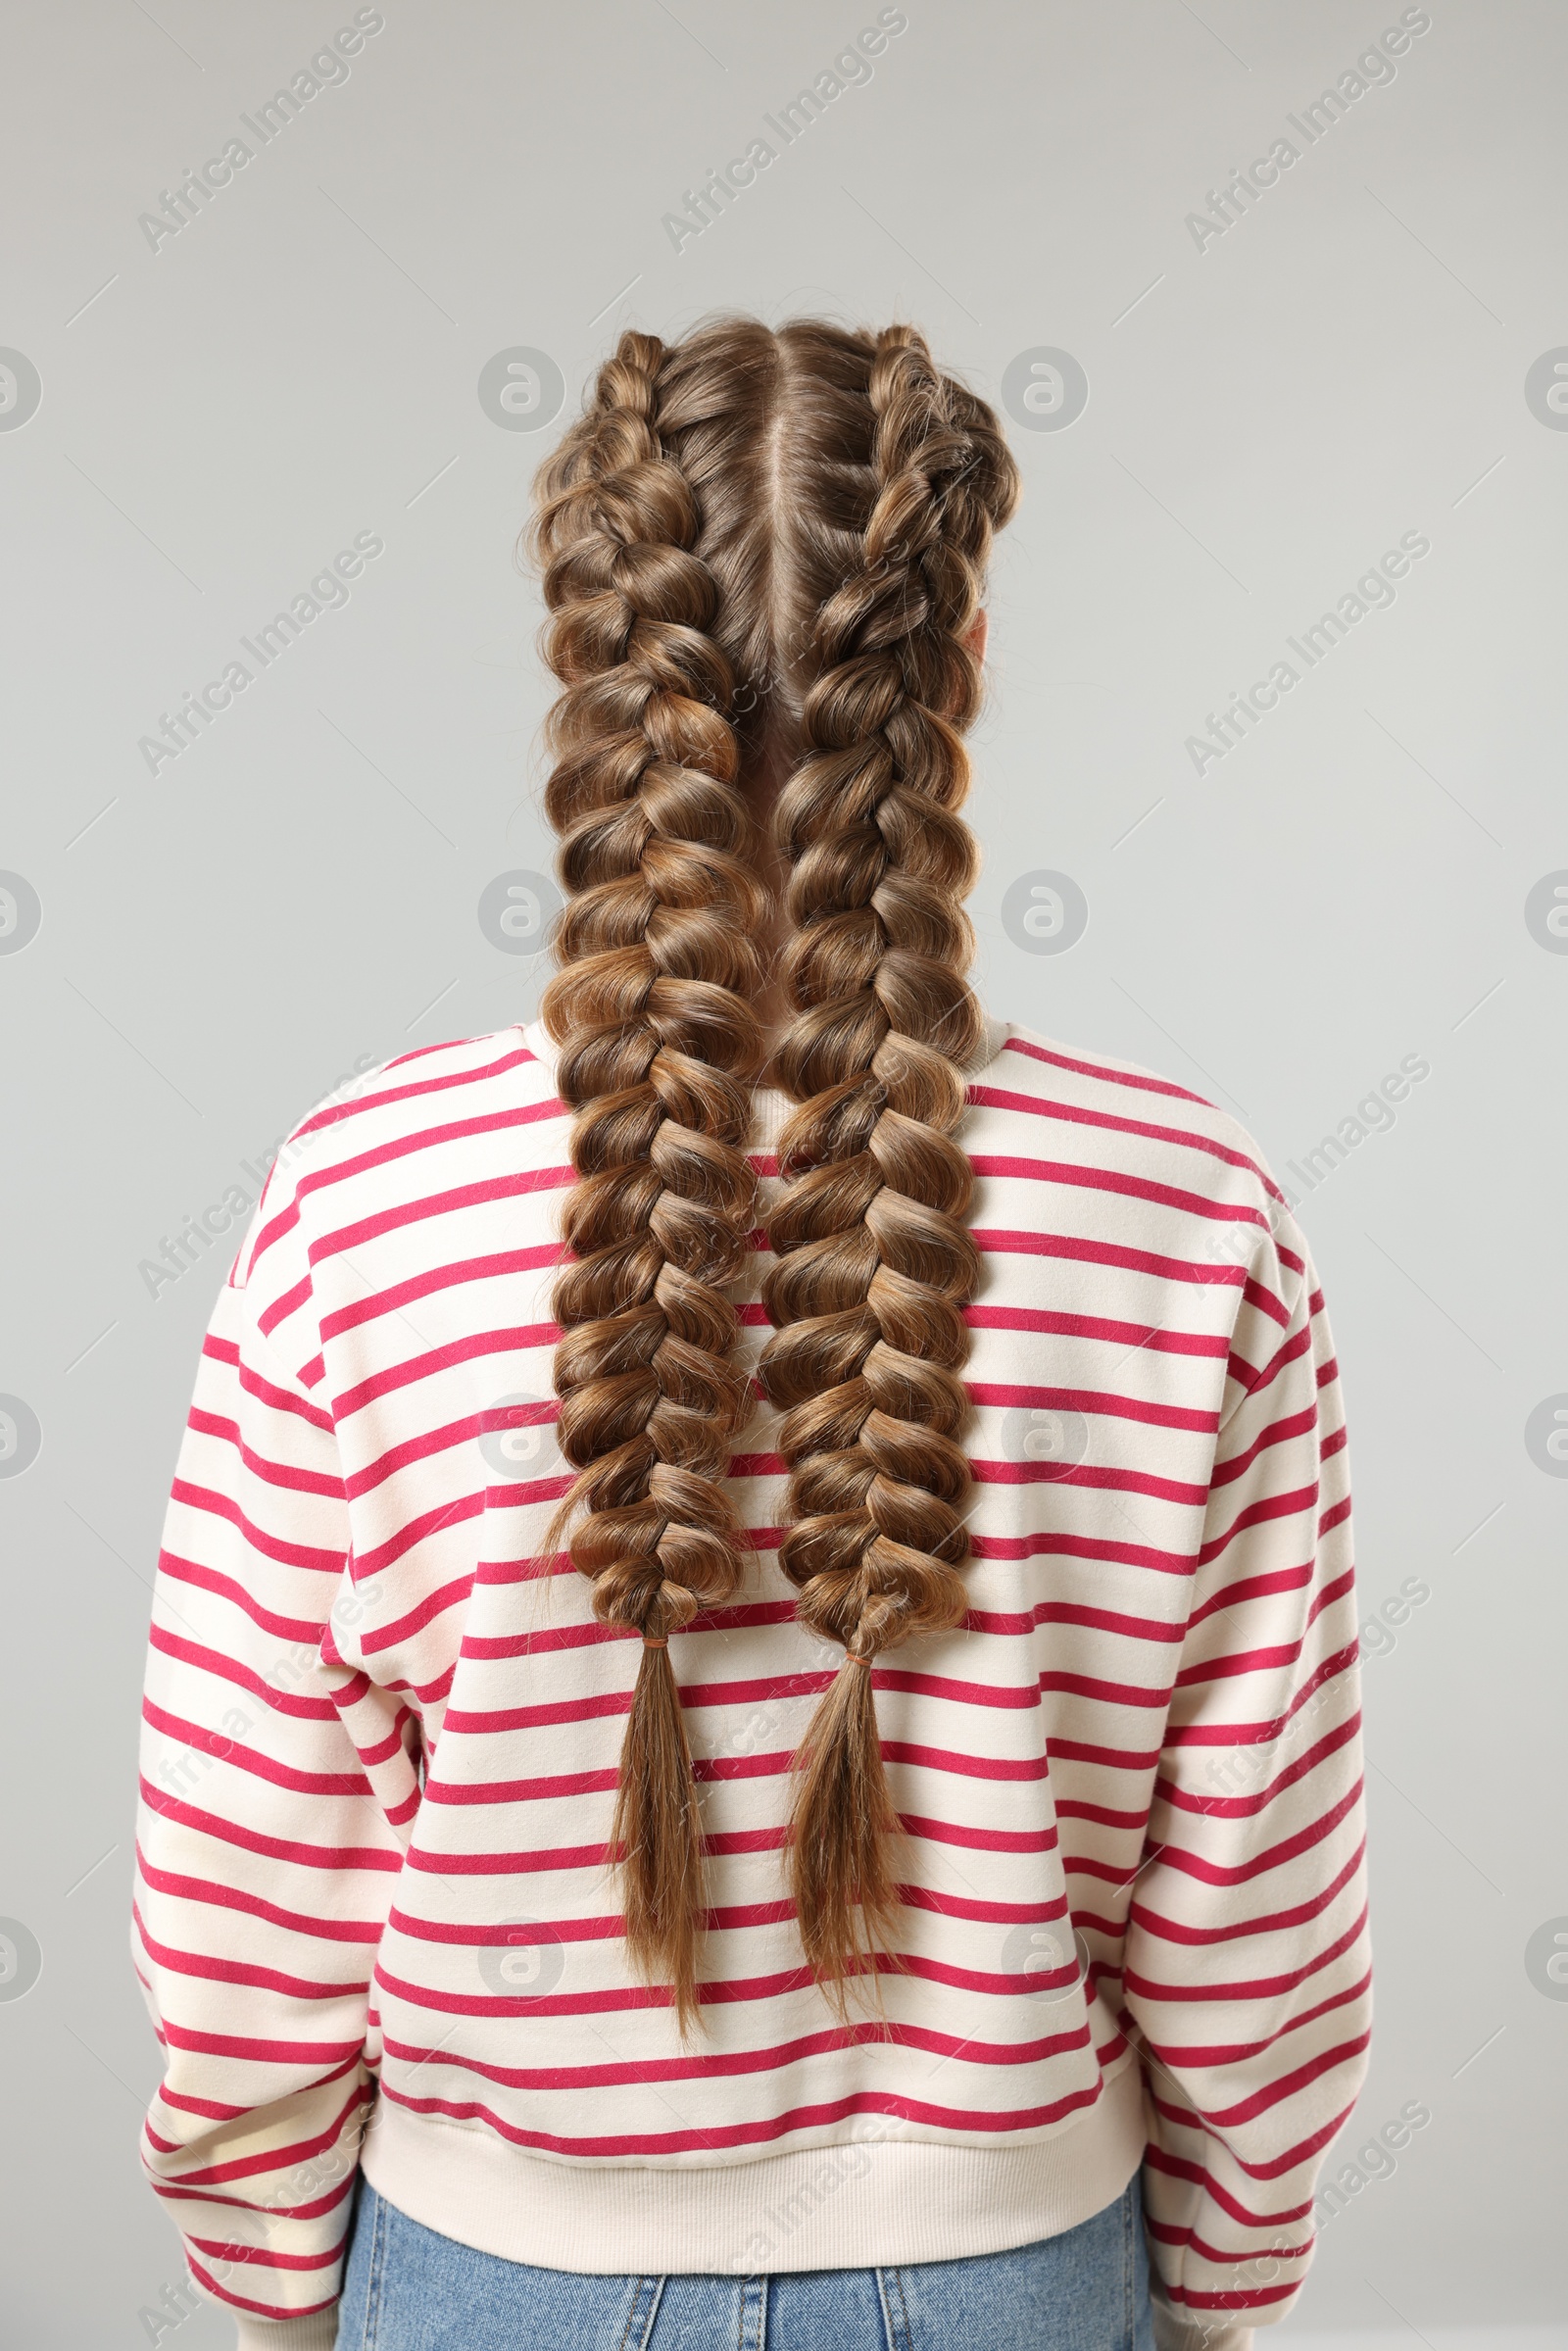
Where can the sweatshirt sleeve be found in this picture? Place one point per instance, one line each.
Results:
(1247, 1981)
(277, 1788)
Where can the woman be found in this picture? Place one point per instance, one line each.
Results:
(751, 1733)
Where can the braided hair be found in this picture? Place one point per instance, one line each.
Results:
(658, 1043)
(763, 553)
(875, 1262)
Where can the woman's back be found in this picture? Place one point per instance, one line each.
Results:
(1125, 1783)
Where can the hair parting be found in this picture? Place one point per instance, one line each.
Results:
(764, 550)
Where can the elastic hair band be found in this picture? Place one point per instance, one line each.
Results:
(654, 1641)
(857, 1657)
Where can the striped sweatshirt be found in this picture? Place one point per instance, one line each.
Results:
(376, 1914)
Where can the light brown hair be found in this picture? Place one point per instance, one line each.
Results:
(762, 552)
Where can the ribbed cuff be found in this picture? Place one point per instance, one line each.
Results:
(1181, 2330)
(318, 2332)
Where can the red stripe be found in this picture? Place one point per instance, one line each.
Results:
(213, 1970)
(1108, 1122)
(440, 1278)
(275, 1849)
(1070, 1172)
(450, 1203)
(260, 2309)
(1218, 2053)
(1140, 1079)
(313, 1557)
(261, 2050)
(1176, 2166)
(1091, 1400)
(297, 1630)
(1260, 1987)
(1085, 1477)
(379, 1156)
(471, 1349)
(1080, 1251)
(740, 1991)
(229, 1669)
(224, 1749)
(271, 2160)
(1297, 1914)
(761, 2132)
(1136, 1335)
(269, 1472)
(251, 1383)
(232, 1897)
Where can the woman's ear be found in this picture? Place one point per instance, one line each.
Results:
(976, 634)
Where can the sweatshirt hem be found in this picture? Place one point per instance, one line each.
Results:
(843, 2204)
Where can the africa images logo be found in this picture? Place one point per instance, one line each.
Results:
(327, 592)
(182, 206)
(1373, 591)
(851, 68)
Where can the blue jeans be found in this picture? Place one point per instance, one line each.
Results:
(408, 2289)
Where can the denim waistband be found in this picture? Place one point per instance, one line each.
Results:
(1086, 2289)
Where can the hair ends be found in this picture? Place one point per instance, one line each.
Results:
(657, 1838)
(843, 1839)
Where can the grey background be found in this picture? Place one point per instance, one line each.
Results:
(222, 941)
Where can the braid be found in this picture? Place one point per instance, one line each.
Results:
(875, 1262)
(761, 553)
(657, 1044)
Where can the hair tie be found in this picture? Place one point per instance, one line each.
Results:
(654, 1640)
(857, 1657)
